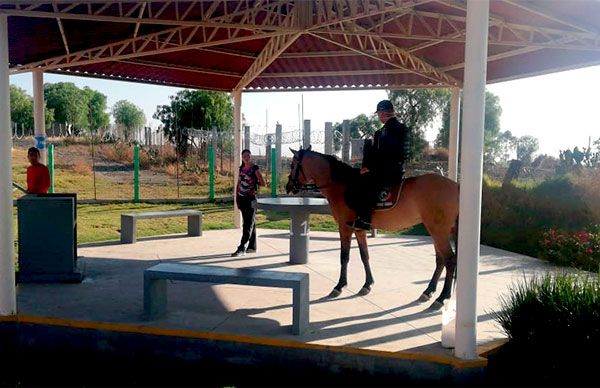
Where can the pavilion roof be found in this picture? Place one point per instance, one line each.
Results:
(296, 45)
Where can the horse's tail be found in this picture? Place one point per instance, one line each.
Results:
(454, 239)
(454, 235)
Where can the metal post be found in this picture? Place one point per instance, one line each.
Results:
(211, 173)
(51, 166)
(453, 135)
(471, 173)
(273, 173)
(136, 173)
(8, 298)
(278, 135)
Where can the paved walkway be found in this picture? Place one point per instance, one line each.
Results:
(387, 319)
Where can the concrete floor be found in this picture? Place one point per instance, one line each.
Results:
(388, 319)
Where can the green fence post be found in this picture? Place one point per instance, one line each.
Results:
(211, 173)
(273, 173)
(136, 173)
(51, 166)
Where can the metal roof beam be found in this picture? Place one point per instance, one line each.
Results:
(350, 73)
(250, 18)
(168, 41)
(394, 57)
(192, 69)
(299, 17)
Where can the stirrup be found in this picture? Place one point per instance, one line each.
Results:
(359, 224)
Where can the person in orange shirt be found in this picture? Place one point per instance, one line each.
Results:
(38, 176)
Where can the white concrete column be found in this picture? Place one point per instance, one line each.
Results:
(39, 119)
(346, 141)
(237, 149)
(8, 299)
(306, 136)
(453, 135)
(471, 171)
(328, 150)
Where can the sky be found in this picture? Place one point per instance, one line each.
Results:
(561, 110)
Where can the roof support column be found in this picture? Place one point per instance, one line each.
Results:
(237, 149)
(8, 299)
(39, 122)
(471, 172)
(453, 136)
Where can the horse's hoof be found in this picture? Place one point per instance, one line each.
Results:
(424, 298)
(435, 306)
(364, 291)
(334, 293)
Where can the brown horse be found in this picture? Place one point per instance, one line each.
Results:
(429, 199)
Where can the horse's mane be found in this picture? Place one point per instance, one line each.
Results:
(340, 171)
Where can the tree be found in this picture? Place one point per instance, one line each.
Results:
(21, 107)
(361, 126)
(97, 115)
(68, 102)
(526, 147)
(129, 116)
(492, 140)
(417, 108)
(199, 109)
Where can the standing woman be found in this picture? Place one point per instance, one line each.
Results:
(247, 186)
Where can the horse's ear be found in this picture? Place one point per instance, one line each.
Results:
(294, 152)
(309, 147)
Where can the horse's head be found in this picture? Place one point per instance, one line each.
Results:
(297, 179)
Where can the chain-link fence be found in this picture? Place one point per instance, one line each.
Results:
(101, 166)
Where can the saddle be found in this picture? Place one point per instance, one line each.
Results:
(388, 196)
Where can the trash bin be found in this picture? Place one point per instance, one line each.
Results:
(47, 238)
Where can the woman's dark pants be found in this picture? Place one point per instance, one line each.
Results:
(245, 204)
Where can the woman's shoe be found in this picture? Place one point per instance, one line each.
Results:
(251, 250)
(238, 252)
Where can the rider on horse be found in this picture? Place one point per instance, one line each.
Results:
(382, 166)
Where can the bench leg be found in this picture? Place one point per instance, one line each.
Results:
(300, 308)
(155, 297)
(128, 229)
(195, 225)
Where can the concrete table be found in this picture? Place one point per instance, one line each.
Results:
(299, 210)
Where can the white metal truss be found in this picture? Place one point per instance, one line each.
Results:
(167, 41)
(356, 27)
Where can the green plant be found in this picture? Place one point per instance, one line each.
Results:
(580, 249)
(551, 321)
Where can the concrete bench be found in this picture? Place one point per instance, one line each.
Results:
(155, 286)
(129, 228)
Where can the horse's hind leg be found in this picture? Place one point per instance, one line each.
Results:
(432, 286)
(450, 264)
(345, 240)
(361, 237)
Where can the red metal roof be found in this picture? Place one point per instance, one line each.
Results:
(285, 44)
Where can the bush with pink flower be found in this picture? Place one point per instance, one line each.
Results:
(580, 249)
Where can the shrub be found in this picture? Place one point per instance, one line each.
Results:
(552, 323)
(515, 217)
(579, 249)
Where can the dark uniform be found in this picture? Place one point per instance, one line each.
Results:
(384, 157)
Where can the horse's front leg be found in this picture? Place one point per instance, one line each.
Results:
(361, 237)
(345, 239)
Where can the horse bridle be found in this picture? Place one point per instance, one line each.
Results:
(296, 186)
